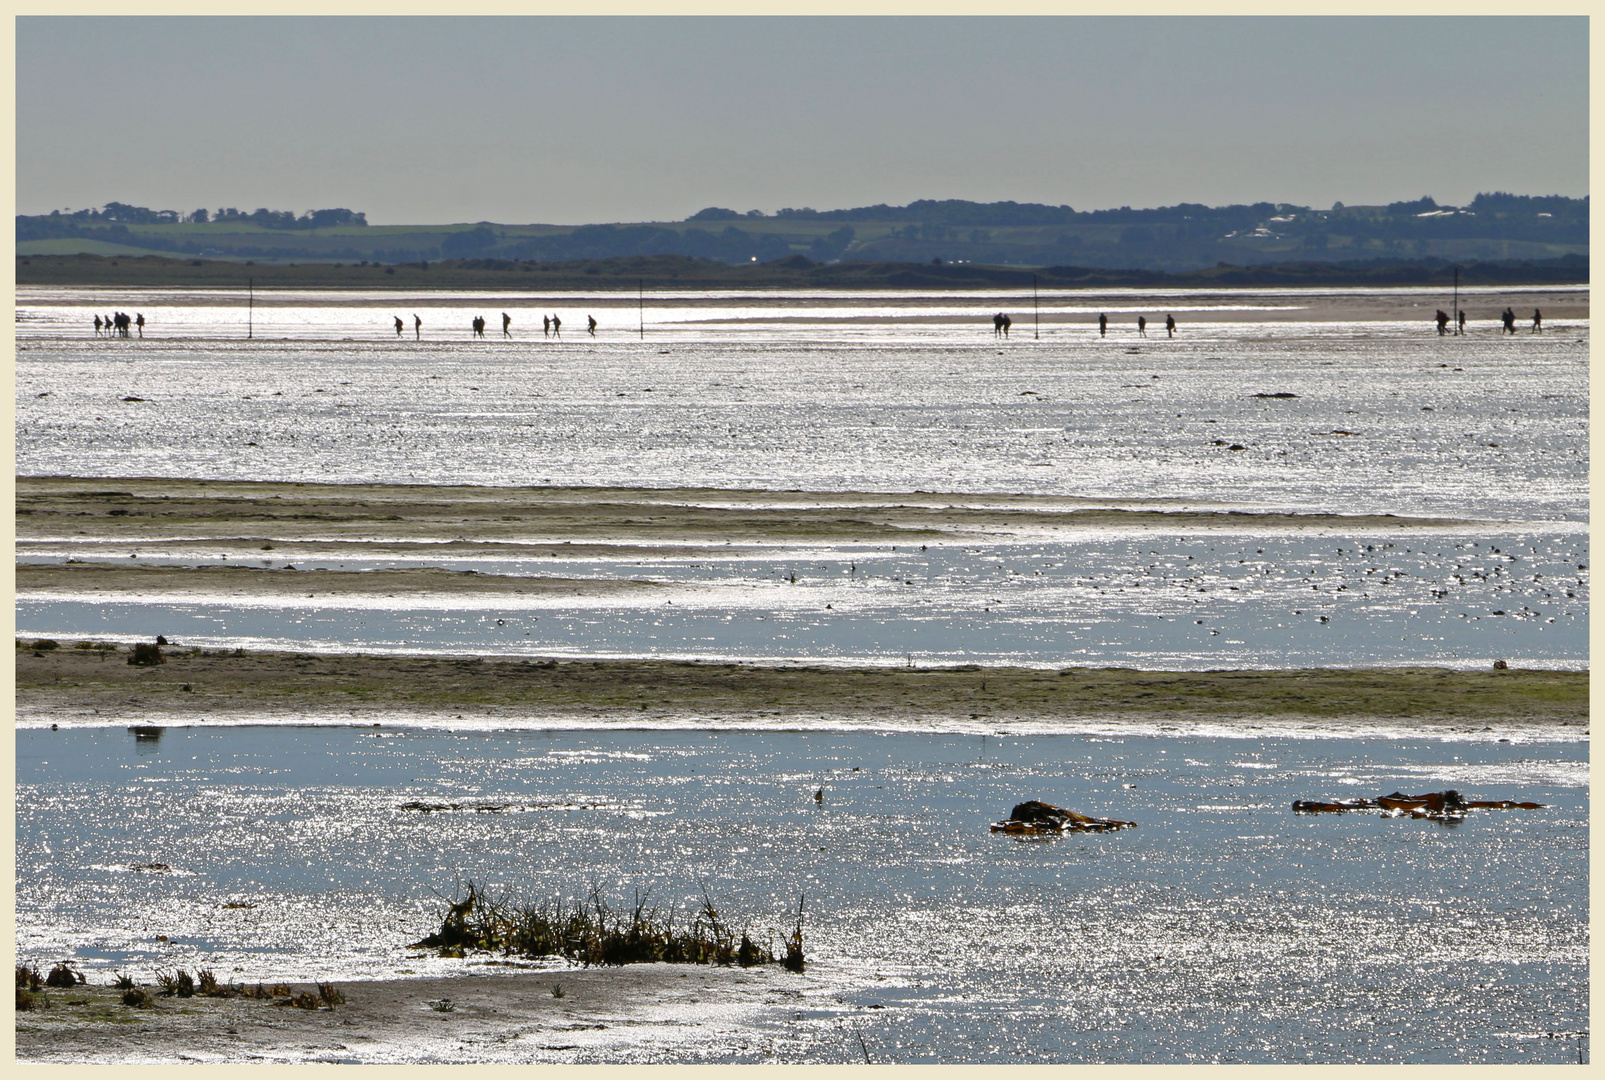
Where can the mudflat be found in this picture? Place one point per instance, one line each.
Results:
(194, 685)
(261, 517)
(604, 1014)
(80, 578)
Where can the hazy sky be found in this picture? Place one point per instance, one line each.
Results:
(629, 119)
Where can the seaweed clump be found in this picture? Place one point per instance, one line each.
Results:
(590, 932)
(63, 977)
(1036, 818)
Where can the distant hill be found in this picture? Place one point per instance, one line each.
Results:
(793, 271)
(1187, 236)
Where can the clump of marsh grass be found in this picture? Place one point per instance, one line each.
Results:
(28, 977)
(794, 949)
(260, 991)
(63, 977)
(178, 983)
(591, 932)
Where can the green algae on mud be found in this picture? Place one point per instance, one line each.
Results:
(196, 685)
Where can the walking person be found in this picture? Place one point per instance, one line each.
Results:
(1461, 315)
(1443, 322)
(1007, 322)
(1142, 325)
(398, 325)
(1103, 324)
(557, 326)
(507, 320)
(97, 325)
(139, 321)
(417, 327)
(546, 326)
(1510, 321)
(1538, 321)
(997, 324)
(1170, 326)
(590, 324)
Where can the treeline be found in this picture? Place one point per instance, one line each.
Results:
(1497, 215)
(56, 223)
(729, 245)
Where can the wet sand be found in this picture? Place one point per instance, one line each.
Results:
(168, 582)
(632, 1013)
(286, 519)
(70, 684)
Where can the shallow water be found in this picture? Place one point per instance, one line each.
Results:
(1212, 600)
(1222, 928)
(796, 391)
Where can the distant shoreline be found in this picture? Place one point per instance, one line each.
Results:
(674, 271)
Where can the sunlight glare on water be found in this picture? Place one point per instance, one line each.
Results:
(1222, 928)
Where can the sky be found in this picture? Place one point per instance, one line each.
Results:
(576, 120)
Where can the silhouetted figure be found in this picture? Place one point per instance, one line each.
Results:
(108, 325)
(590, 324)
(997, 324)
(1142, 325)
(1007, 322)
(417, 327)
(139, 321)
(1170, 326)
(122, 324)
(1538, 321)
(479, 326)
(1103, 325)
(546, 326)
(1509, 318)
(557, 326)
(507, 320)
(97, 325)
(399, 325)
(1461, 317)
(1443, 322)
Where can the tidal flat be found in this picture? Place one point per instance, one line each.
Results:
(792, 594)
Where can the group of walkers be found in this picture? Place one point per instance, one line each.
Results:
(1507, 319)
(550, 325)
(1142, 325)
(118, 324)
(1000, 323)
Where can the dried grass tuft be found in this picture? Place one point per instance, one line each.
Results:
(591, 932)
